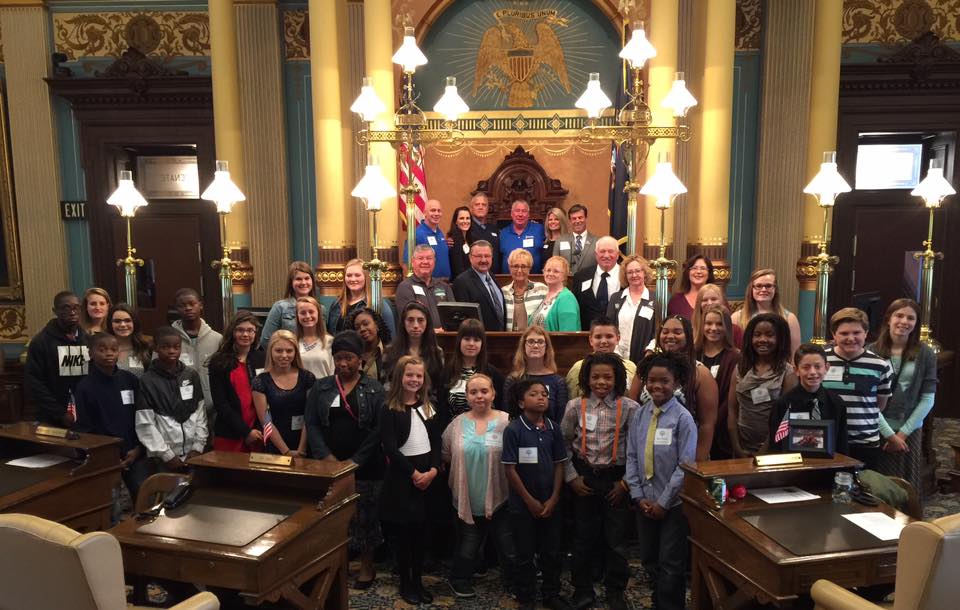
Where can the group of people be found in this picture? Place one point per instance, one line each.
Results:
(446, 441)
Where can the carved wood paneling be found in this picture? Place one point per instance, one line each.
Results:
(166, 33)
(521, 176)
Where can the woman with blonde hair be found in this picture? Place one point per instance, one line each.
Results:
(633, 309)
(301, 282)
(554, 225)
(707, 296)
(355, 295)
(522, 296)
(313, 339)
(280, 396)
(762, 296)
(93, 310)
(534, 359)
(714, 349)
(559, 310)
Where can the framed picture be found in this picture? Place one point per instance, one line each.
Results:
(812, 438)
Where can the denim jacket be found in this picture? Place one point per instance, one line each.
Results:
(317, 416)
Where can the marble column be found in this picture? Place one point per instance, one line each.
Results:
(784, 116)
(264, 150)
(25, 32)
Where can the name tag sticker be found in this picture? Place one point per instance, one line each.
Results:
(527, 242)
(528, 455)
(419, 290)
(714, 369)
(466, 249)
(186, 392)
(586, 285)
(799, 415)
(591, 422)
(126, 396)
(336, 401)
(564, 245)
(834, 373)
(431, 240)
(257, 371)
(296, 423)
(663, 436)
(759, 395)
(133, 363)
(493, 439)
(646, 312)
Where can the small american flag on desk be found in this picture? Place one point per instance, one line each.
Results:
(72, 407)
(783, 429)
(268, 428)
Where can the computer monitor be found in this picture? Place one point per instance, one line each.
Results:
(453, 313)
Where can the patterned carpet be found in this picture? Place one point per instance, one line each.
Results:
(490, 594)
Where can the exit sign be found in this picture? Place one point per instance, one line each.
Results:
(73, 210)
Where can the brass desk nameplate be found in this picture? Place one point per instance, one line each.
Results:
(778, 459)
(51, 431)
(270, 460)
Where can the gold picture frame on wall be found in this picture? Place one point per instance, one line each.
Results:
(11, 279)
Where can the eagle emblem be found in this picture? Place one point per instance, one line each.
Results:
(509, 61)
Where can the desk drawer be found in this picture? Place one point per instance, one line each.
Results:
(219, 572)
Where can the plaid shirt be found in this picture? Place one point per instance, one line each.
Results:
(532, 298)
(599, 441)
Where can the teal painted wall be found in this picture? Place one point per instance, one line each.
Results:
(743, 168)
(301, 182)
(807, 303)
(72, 188)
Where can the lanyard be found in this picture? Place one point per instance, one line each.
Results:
(583, 429)
(343, 397)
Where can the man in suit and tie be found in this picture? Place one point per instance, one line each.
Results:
(578, 247)
(476, 285)
(595, 286)
(482, 228)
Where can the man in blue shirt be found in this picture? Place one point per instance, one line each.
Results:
(523, 233)
(429, 232)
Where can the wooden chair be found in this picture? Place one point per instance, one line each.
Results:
(155, 487)
(913, 507)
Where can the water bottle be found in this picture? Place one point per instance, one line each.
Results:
(842, 487)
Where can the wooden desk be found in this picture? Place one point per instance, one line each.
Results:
(77, 493)
(302, 559)
(502, 345)
(734, 563)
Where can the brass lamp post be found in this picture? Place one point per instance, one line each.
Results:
(409, 120)
(825, 186)
(933, 189)
(373, 188)
(634, 120)
(224, 193)
(127, 199)
(664, 186)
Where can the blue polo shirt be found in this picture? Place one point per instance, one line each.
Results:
(436, 240)
(530, 240)
(535, 451)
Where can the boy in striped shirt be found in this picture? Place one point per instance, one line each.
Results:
(863, 381)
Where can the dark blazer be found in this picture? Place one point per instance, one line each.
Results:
(394, 432)
(460, 260)
(589, 306)
(469, 288)
(642, 330)
(491, 234)
(229, 422)
(316, 418)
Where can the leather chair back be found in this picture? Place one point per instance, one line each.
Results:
(928, 557)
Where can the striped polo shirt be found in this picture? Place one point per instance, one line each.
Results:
(858, 382)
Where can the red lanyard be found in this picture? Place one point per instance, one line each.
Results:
(343, 398)
(583, 428)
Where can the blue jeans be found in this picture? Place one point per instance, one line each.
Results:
(472, 539)
(663, 551)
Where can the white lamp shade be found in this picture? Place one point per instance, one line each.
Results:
(127, 198)
(828, 183)
(450, 104)
(409, 54)
(373, 188)
(638, 49)
(933, 188)
(664, 185)
(368, 105)
(223, 191)
(594, 100)
(679, 99)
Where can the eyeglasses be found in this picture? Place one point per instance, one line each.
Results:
(245, 331)
(635, 272)
(518, 267)
(699, 268)
(536, 342)
(767, 287)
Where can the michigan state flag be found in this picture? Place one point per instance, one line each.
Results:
(617, 200)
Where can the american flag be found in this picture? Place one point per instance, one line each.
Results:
(72, 407)
(268, 428)
(783, 429)
(414, 158)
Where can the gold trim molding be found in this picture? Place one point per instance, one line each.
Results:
(893, 21)
(13, 324)
(749, 24)
(296, 35)
(157, 33)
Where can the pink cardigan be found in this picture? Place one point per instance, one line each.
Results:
(453, 454)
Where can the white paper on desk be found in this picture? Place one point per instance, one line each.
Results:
(879, 524)
(780, 495)
(42, 460)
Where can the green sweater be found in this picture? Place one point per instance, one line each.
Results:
(564, 314)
